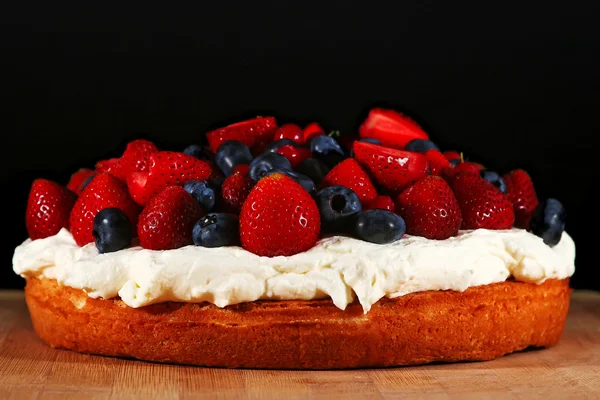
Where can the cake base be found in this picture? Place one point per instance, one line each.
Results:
(482, 323)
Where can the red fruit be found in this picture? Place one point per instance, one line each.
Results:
(48, 208)
(136, 155)
(312, 130)
(168, 219)
(452, 155)
(279, 218)
(295, 155)
(437, 162)
(289, 131)
(430, 209)
(380, 202)
(350, 174)
(241, 169)
(250, 132)
(481, 203)
(391, 128)
(392, 169)
(78, 178)
(166, 168)
(111, 166)
(465, 167)
(102, 192)
(234, 191)
(521, 193)
(347, 141)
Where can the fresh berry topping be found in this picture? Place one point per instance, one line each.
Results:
(199, 152)
(136, 155)
(482, 204)
(452, 155)
(380, 203)
(437, 162)
(279, 218)
(112, 230)
(234, 192)
(78, 178)
(430, 209)
(379, 226)
(392, 128)
(421, 145)
(166, 168)
(338, 206)
(494, 178)
(347, 141)
(168, 219)
(104, 191)
(251, 132)
(230, 154)
(111, 166)
(48, 208)
(350, 174)
(217, 230)
(304, 181)
(289, 131)
(322, 146)
(241, 169)
(87, 182)
(455, 162)
(392, 169)
(368, 140)
(462, 168)
(312, 130)
(548, 221)
(295, 155)
(261, 165)
(521, 193)
(314, 169)
(273, 147)
(202, 192)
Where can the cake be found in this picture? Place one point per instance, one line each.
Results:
(276, 246)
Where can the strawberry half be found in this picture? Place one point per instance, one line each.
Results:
(392, 169)
(250, 132)
(234, 191)
(111, 166)
(438, 163)
(167, 221)
(481, 203)
(521, 193)
(104, 191)
(78, 178)
(48, 208)
(279, 218)
(391, 128)
(166, 168)
(350, 174)
(136, 155)
(430, 209)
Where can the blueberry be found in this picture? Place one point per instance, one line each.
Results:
(202, 192)
(494, 178)
(272, 148)
(314, 169)
(232, 153)
(420, 145)
(217, 230)
(325, 146)
(548, 221)
(338, 206)
(455, 162)
(87, 182)
(302, 179)
(199, 152)
(261, 165)
(379, 226)
(112, 230)
(368, 140)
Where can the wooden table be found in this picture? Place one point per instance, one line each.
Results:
(31, 370)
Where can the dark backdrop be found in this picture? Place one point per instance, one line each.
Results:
(510, 86)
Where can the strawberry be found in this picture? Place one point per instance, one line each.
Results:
(279, 218)
(452, 155)
(111, 166)
(521, 193)
(48, 208)
(463, 168)
(390, 127)
(312, 130)
(168, 219)
(234, 191)
(289, 131)
(166, 168)
(380, 202)
(78, 178)
(430, 209)
(391, 168)
(295, 155)
(481, 203)
(104, 191)
(241, 169)
(136, 155)
(250, 132)
(437, 162)
(350, 174)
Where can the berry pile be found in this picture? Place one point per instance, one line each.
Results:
(277, 190)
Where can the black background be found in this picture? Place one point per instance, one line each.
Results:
(510, 86)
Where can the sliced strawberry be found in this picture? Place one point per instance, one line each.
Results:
(166, 168)
(111, 166)
(168, 219)
(381, 203)
(136, 155)
(251, 132)
(390, 127)
(312, 130)
(295, 155)
(78, 178)
(289, 131)
(104, 191)
(452, 155)
(392, 169)
(438, 163)
(350, 174)
(48, 208)
(234, 192)
(279, 218)
(481, 203)
(521, 193)
(430, 209)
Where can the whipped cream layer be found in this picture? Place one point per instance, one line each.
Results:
(337, 267)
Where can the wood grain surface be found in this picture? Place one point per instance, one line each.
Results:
(31, 370)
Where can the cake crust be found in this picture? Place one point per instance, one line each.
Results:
(481, 323)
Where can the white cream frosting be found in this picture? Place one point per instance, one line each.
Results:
(337, 267)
